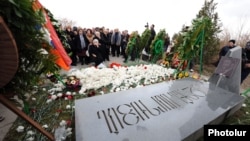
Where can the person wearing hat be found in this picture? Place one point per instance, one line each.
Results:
(225, 49)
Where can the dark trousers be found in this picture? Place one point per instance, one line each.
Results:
(98, 60)
(123, 48)
(244, 74)
(115, 50)
(74, 57)
(191, 64)
(87, 59)
(81, 59)
(107, 50)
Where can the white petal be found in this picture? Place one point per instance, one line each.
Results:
(45, 126)
(62, 123)
(30, 132)
(30, 139)
(20, 129)
(68, 107)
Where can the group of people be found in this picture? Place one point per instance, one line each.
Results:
(95, 45)
(245, 66)
(110, 42)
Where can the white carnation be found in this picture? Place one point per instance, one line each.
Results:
(20, 129)
(68, 107)
(45, 126)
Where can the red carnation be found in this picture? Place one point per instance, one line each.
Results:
(69, 122)
(59, 111)
(70, 97)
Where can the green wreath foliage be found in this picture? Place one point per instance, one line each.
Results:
(157, 45)
(144, 39)
(192, 40)
(133, 43)
(24, 24)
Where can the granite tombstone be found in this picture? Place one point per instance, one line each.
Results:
(168, 111)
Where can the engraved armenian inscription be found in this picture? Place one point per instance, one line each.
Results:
(128, 114)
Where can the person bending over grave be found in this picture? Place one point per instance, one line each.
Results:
(245, 67)
(225, 49)
(95, 52)
(245, 62)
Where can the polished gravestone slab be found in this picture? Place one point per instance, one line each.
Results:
(228, 73)
(168, 111)
(172, 111)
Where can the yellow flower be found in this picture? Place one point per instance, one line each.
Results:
(180, 75)
(196, 76)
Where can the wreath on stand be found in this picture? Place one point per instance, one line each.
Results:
(144, 39)
(157, 46)
(133, 48)
(191, 46)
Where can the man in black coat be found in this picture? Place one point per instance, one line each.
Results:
(245, 62)
(224, 50)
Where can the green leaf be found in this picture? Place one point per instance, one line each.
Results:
(17, 13)
(11, 1)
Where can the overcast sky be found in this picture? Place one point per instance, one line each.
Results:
(134, 14)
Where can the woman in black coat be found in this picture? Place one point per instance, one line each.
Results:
(95, 53)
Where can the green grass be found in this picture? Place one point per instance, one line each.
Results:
(242, 116)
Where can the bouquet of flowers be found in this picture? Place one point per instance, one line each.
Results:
(51, 77)
(73, 83)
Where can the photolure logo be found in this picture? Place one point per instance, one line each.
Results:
(235, 132)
